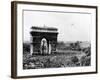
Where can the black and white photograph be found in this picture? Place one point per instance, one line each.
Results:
(55, 39)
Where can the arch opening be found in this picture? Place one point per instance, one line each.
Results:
(44, 46)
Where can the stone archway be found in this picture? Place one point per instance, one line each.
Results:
(48, 35)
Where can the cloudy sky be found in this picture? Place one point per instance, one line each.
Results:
(71, 26)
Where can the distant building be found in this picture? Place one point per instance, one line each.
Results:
(43, 40)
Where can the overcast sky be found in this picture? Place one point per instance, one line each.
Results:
(71, 26)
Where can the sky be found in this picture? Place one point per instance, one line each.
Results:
(71, 26)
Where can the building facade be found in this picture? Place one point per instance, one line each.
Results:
(43, 40)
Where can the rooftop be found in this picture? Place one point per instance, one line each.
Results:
(44, 29)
